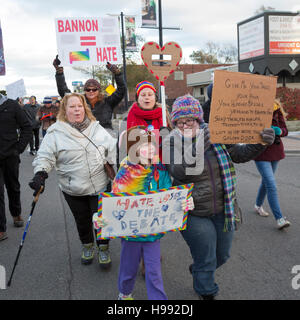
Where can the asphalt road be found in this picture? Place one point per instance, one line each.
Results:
(49, 268)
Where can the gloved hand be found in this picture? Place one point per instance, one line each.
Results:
(188, 204)
(268, 136)
(38, 181)
(99, 222)
(113, 68)
(277, 130)
(56, 63)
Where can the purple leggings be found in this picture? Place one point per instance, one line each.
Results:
(131, 254)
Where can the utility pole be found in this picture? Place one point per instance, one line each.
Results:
(124, 60)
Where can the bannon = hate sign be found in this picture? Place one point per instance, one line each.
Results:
(88, 41)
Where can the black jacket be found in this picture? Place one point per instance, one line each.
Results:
(103, 109)
(208, 192)
(12, 117)
(31, 111)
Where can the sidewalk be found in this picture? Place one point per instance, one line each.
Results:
(292, 143)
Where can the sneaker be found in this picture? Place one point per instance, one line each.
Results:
(260, 210)
(104, 256)
(31, 152)
(125, 297)
(87, 255)
(3, 236)
(282, 223)
(18, 221)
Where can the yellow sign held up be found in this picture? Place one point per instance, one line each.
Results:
(110, 89)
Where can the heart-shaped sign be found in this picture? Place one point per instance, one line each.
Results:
(161, 68)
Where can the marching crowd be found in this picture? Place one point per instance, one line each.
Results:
(80, 143)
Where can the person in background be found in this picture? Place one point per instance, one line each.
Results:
(207, 103)
(31, 110)
(77, 146)
(20, 101)
(47, 114)
(266, 164)
(57, 104)
(211, 225)
(12, 144)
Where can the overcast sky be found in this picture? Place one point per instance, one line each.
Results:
(29, 36)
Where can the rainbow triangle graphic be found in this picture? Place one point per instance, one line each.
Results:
(79, 56)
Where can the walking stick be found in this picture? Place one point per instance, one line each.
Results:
(35, 200)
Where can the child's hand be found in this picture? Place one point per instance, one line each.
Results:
(99, 222)
(188, 204)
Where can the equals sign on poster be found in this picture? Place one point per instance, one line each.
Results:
(88, 41)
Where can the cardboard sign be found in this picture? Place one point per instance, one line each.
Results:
(88, 41)
(171, 54)
(16, 89)
(241, 107)
(139, 214)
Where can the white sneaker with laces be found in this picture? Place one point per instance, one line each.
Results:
(282, 223)
(260, 211)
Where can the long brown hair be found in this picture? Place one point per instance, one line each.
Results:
(63, 106)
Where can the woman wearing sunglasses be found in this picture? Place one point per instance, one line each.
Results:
(102, 107)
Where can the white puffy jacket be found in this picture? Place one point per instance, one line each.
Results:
(79, 164)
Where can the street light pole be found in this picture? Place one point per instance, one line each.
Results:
(124, 60)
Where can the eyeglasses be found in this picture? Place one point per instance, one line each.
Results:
(89, 90)
(188, 122)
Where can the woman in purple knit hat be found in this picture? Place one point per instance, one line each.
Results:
(191, 158)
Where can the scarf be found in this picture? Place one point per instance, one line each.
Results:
(229, 184)
(81, 126)
(138, 117)
(135, 177)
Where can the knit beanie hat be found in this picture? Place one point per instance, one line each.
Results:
(142, 85)
(186, 107)
(92, 83)
(47, 100)
(138, 135)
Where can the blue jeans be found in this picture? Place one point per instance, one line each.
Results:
(210, 248)
(268, 186)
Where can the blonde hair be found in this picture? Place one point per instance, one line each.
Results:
(63, 106)
(278, 105)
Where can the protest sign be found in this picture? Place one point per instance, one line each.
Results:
(2, 61)
(88, 41)
(241, 107)
(139, 214)
(16, 89)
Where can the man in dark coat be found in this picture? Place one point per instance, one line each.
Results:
(12, 143)
(31, 110)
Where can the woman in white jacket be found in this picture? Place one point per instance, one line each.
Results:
(78, 147)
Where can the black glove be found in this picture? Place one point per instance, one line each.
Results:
(113, 68)
(56, 63)
(38, 181)
(268, 136)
